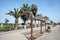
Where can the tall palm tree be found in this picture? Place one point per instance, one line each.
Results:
(34, 11)
(46, 19)
(40, 16)
(25, 10)
(16, 15)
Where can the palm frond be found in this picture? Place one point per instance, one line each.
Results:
(11, 13)
(34, 9)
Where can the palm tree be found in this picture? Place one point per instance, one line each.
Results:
(25, 10)
(46, 19)
(34, 11)
(16, 15)
(6, 20)
(51, 22)
(40, 17)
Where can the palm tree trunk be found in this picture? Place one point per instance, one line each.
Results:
(38, 24)
(41, 27)
(24, 25)
(35, 23)
(31, 28)
(45, 25)
(24, 22)
(16, 23)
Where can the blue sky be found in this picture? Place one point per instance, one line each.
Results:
(50, 8)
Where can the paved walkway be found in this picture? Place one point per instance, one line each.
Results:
(17, 35)
(54, 35)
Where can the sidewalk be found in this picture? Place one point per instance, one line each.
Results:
(54, 35)
(18, 34)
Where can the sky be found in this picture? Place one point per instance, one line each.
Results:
(50, 8)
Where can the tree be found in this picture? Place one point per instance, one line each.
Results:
(6, 20)
(34, 11)
(26, 13)
(25, 10)
(51, 22)
(46, 19)
(40, 16)
(16, 15)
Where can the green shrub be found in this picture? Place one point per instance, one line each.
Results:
(20, 27)
(48, 30)
(6, 27)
